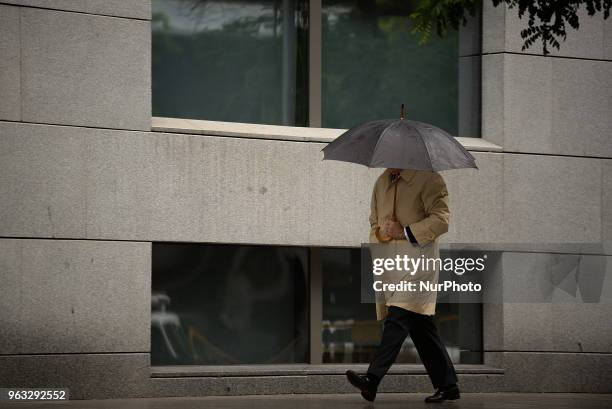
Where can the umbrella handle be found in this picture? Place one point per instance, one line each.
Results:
(379, 236)
(394, 215)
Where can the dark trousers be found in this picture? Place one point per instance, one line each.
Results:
(400, 323)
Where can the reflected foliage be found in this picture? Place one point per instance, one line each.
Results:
(224, 61)
(372, 63)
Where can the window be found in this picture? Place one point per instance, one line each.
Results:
(350, 332)
(219, 304)
(372, 63)
(251, 61)
(224, 60)
(216, 304)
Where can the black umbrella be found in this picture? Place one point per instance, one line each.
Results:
(399, 144)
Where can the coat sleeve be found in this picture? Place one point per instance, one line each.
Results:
(435, 202)
(373, 216)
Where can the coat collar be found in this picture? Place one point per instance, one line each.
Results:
(406, 174)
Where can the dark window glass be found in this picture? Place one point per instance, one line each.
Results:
(222, 304)
(372, 63)
(215, 304)
(351, 332)
(225, 60)
(247, 61)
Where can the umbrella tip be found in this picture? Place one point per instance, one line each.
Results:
(402, 112)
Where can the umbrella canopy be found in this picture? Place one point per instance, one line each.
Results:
(399, 144)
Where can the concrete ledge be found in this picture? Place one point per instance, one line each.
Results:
(73, 182)
(299, 369)
(277, 132)
(558, 372)
(309, 384)
(87, 376)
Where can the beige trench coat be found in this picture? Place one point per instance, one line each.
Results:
(422, 204)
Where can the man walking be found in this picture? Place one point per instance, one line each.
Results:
(409, 205)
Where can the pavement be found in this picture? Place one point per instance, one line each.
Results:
(340, 401)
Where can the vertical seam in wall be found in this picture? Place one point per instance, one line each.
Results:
(20, 35)
(20, 315)
(502, 342)
(480, 58)
(85, 153)
(550, 79)
(602, 236)
(505, 20)
(503, 99)
(603, 39)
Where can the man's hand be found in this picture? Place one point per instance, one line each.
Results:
(393, 229)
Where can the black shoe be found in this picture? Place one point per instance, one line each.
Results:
(364, 383)
(441, 395)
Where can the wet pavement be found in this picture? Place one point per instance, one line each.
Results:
(341, 401)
